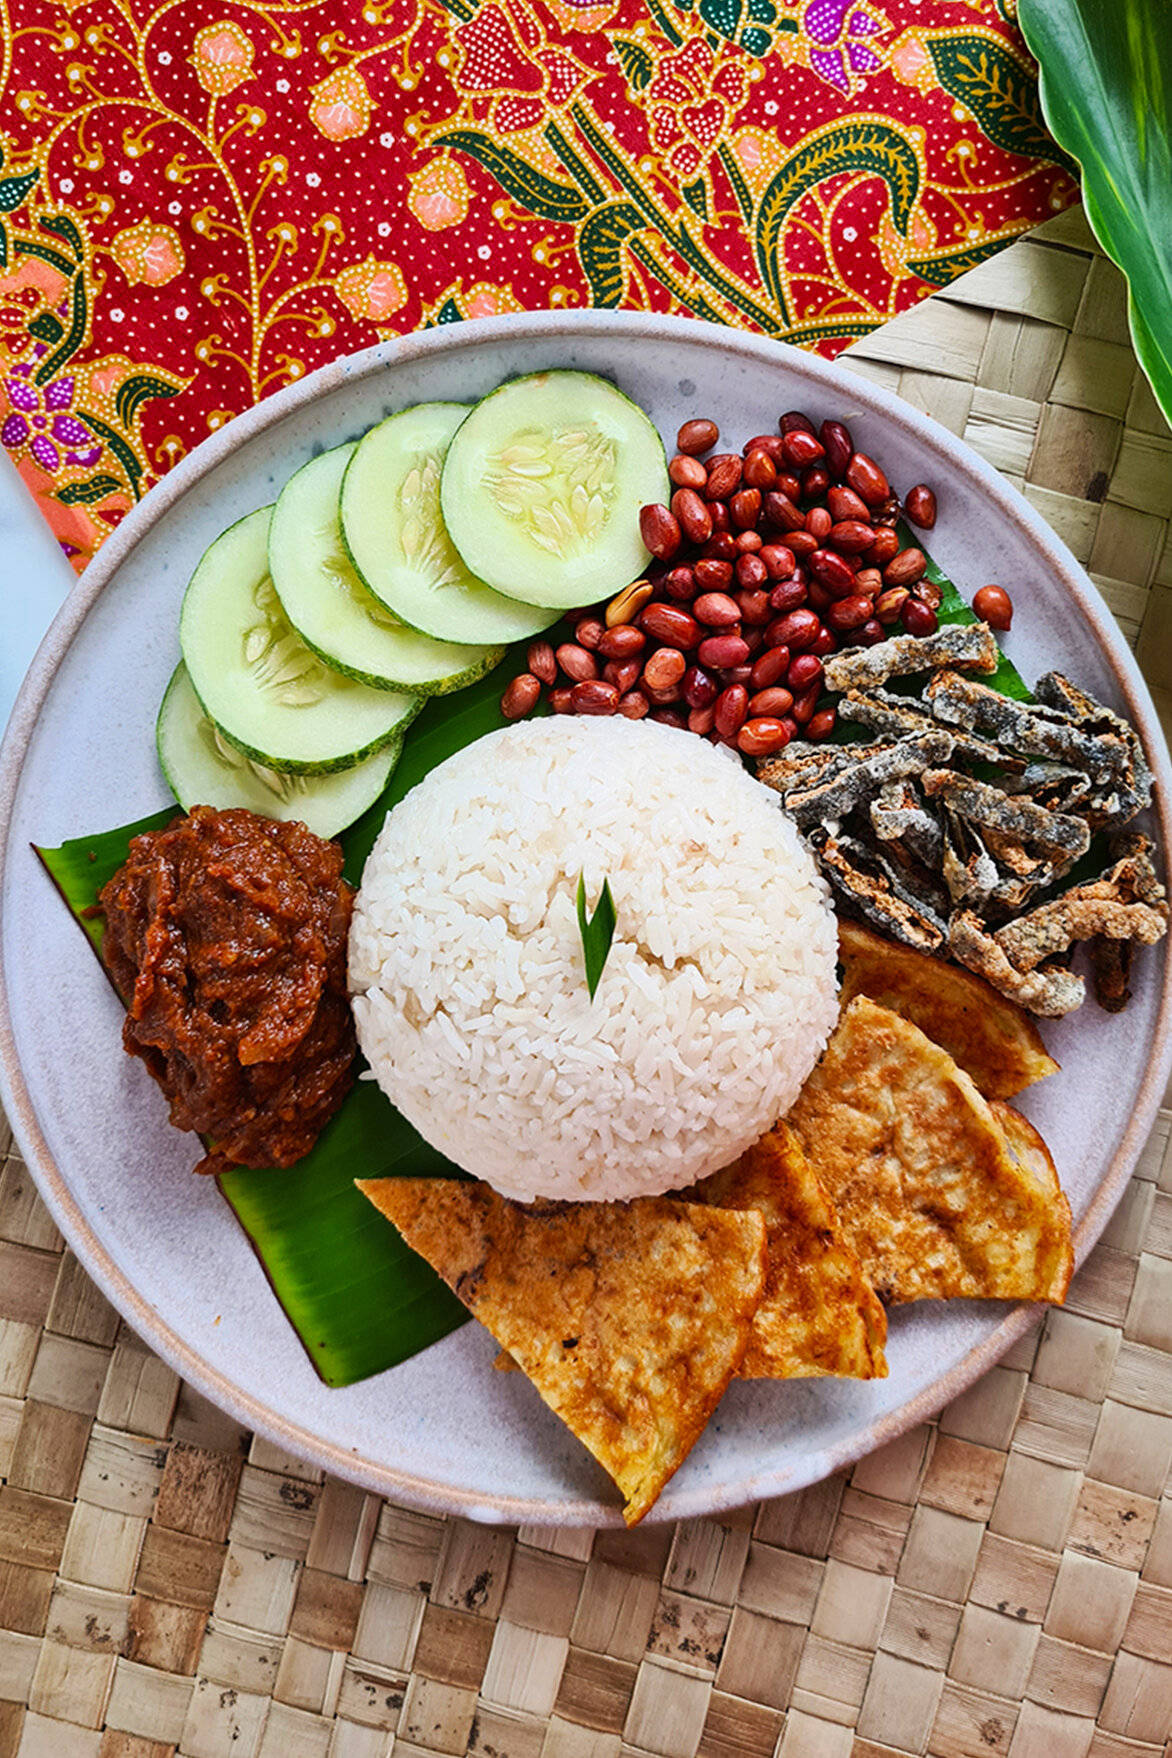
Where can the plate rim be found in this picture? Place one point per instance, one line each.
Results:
(398, 1483)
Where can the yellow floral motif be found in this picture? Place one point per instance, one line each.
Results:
(222, 56)
(342, 106)
(439, 195)
(149, 253)
(372, 290)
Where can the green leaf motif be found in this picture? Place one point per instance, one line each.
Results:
(449, 313)
(747, 23)
(73, 337)
(945, 265)
(696, 196)
(133, 392)
(15, 191)
(1106, 92)
(46, 327)
(62, 226)
(636, 62)
(84, 494)
(530, 188)
(600, 247)
(864, 143)
(997, 89)
(597, 932)
(123, 452)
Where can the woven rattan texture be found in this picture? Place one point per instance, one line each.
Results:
(997, 1583)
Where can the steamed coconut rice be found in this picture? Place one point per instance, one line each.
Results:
(466, 960)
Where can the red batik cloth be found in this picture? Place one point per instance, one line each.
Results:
(203, 200)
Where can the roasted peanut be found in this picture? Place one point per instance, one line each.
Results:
(542, 661)
(919, 503)
(697, 436)
(667, 623)
(664, 668)
(687, 472)
(694, 518)
(868, 481)
(760, 737)
(521, 696)
(594, 696)
(625, 606)
(994, 606)
(731, 707)
(905, 568)
(660, 531)
(722, 651)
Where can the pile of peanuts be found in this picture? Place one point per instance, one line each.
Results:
(768, 560)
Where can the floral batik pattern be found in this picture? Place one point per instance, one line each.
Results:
(203, 200)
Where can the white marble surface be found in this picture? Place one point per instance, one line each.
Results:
(34, 578)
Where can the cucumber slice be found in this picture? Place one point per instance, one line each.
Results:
(203, 769)
(395, 534)
(542, 487)
(266, 691)
(331, 609)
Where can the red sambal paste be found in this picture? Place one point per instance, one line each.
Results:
(226, 935)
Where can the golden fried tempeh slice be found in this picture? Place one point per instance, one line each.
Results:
(917, 1165)
(987, 1034)
(629, 1318)
(819, 1314)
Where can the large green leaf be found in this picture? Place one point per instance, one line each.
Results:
(359, 1300)
(1106, 91)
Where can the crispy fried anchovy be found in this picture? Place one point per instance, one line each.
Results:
(967, 646)
(1047, 992)
(802, 761)
(898, 815)
(891, 906)
(1057, 786)
(1009, 853)
(1031, 730)
(969, 869)
(1126, 902)
(1057, 692)
(1132, 854)
(1078, 914)
(823, 800)
(1111, 970)
(1055, 834)
(898, 716)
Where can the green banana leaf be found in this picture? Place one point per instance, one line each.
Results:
(1106, 91)
(359, 1300)
(357, 1297)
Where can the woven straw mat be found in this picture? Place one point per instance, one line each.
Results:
(999, 1582)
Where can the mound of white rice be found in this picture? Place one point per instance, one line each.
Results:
(467, 968)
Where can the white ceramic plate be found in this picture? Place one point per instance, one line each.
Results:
(165, 1248)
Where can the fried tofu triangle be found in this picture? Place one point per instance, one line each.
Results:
(991, 1038)
(935, 1199)
(819, 1314)
(629, 1318)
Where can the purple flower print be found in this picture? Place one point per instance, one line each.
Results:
(41, 419)
(838, 29)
